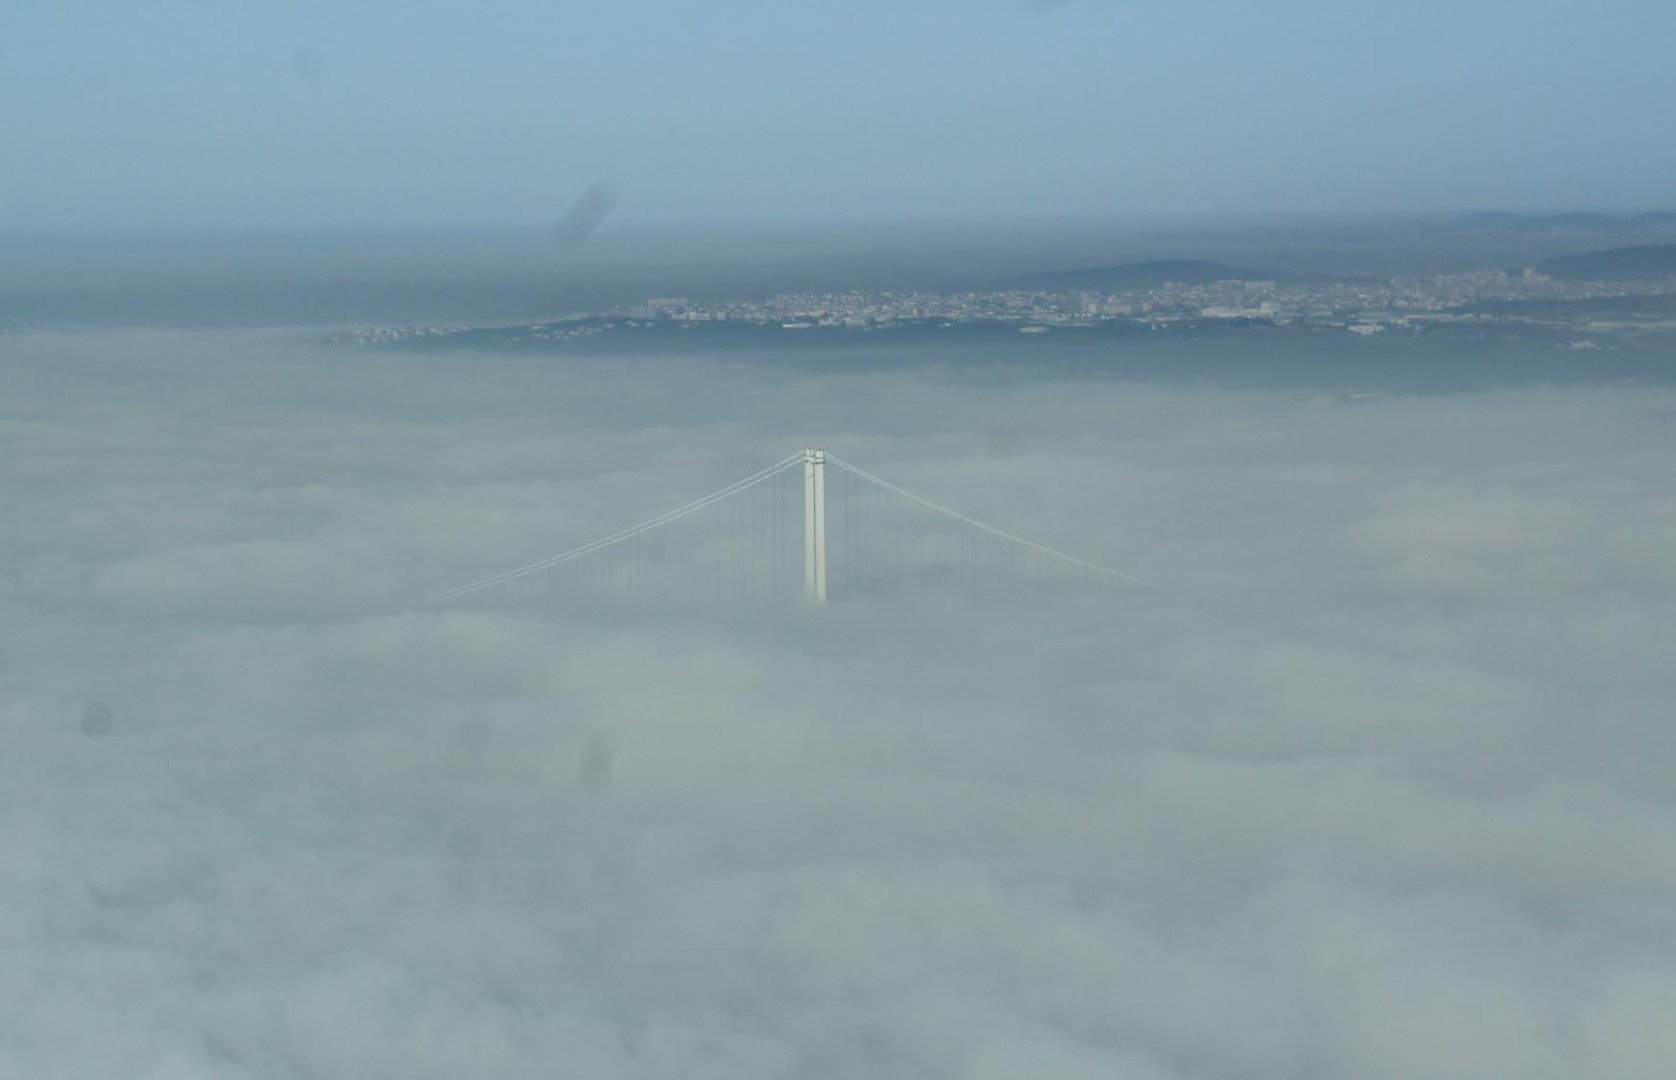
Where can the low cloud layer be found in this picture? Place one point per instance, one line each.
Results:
(1377, 786)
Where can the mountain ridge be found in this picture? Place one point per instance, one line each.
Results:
(1147, 272)
(1640, 262)
(1507, 221)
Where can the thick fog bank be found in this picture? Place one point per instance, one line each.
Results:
(1376, 785)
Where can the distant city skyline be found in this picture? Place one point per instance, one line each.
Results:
(308, 115)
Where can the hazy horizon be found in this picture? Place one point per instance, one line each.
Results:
(258, 277)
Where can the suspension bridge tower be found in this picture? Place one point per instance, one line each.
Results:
(814, 525)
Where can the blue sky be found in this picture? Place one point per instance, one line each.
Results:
(309, 114)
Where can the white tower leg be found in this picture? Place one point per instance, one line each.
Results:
(814, 525)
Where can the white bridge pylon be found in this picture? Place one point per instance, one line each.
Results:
(887, 533)
(814, 526)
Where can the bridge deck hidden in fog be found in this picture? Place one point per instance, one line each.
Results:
(860, 534)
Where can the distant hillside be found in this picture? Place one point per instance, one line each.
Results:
(1644, 262)
(1137, 275)
(1502, 222)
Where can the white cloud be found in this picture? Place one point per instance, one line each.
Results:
(1378, 786)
